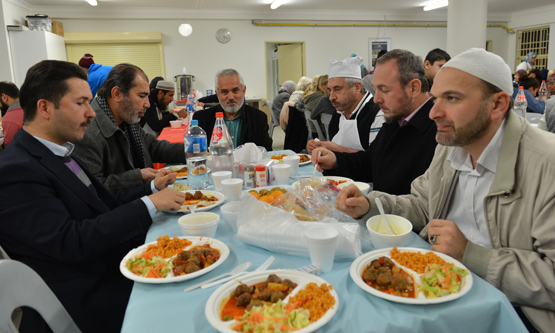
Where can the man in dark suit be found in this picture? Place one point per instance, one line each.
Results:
(405, 145)
(244, 122)
(57, 218)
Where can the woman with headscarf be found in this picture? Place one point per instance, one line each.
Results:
(528, 62)
(294, 100)
(283, 95)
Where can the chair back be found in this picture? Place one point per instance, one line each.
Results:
(22, 286)
(266, 107)
(3, 254)
(308, 121)
(296, 132)
(325, 118)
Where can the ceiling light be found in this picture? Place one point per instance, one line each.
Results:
(91, 2)
(277, 3)
(436, 5)
(185, 29)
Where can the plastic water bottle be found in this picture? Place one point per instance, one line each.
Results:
(191, 104)
(221, 146)
(520, 103)
(196, 152)
(543, 93)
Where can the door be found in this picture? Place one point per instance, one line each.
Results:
(290, 62)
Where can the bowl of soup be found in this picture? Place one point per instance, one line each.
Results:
(199, 224)
(400, 226)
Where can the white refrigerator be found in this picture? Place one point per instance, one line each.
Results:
(30, 47)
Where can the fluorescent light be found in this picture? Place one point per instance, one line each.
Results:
(91, 2)
(277, 3)
(436, 5)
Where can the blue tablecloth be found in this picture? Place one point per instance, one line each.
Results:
(165, 307)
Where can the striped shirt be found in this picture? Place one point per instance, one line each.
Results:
(467, 205)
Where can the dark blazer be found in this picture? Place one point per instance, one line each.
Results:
(396, 157)
(74, 239)
(254, 128)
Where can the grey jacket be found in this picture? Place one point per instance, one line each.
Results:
(547, 122)
(520, 214)
(106, 151)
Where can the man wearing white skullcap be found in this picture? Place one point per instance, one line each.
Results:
(358, 119)
(487, 198)
(156, 116)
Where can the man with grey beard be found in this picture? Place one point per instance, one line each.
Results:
(244, 122)
(115, 148)
(404, 146)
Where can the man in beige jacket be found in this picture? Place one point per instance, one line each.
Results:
(488, 198)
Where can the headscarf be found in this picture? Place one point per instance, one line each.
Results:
(288, 86)
(529, 57)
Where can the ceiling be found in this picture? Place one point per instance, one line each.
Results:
(405, 7)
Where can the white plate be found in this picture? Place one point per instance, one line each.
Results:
(213, 204)
(334, 178)
(177, 167)
(224, 253)
(307, 162)
(212, 308)
(361, 262)
(285, 187)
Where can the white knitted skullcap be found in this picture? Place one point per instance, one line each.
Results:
(484, 65)
(349, 67)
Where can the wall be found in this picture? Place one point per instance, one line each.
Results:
(202, 55)
(10, 14)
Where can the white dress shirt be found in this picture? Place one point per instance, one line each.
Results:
(467, 205)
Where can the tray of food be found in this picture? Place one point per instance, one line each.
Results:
(173, 260)
(264, 301)
(205, 200)
(411, 275)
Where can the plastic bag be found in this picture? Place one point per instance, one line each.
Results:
(277, 230)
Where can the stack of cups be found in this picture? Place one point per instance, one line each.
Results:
(232, 189)
(321, 246)
(281, 173)
(217, 178)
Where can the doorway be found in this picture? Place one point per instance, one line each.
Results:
(284, 61)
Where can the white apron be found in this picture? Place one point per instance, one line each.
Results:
(347, 136)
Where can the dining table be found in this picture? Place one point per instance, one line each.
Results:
(167, 308)
(173, 135)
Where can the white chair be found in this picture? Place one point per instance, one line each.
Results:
(308, 121)
(22, 286)
(325, 118)
(321, 135)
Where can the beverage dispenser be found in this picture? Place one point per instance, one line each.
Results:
(183, 84)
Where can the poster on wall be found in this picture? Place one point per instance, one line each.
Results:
(375, 45)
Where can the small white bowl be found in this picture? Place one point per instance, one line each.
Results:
(398, 224)
(199, 224)
(230, 212)
(176, 123)
(363, 187)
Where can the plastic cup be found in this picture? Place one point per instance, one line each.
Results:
(281, 173)
(293, 161)
(321, 246)
(217, 178)
(232, 189)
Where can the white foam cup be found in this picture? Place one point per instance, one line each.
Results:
(281, 173)
(293, 161)
(321, 246)
(232, 189)
(217, 178)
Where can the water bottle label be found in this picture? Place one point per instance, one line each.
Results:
(195, 144)
(217, 134)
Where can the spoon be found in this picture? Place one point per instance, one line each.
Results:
(261, 268)
(238, 269)
(384, 219)
(315, 165)
(192, 208)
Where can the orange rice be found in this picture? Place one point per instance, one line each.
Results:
(166, 247)
(314, 298)
(416, 260)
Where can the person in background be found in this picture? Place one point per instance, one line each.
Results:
(363, 69)
(12, 113)
(73, 232)
(97, 73)
(496, 163)
(528, 62)
(285, 91)
(244, 122)
(547, 122)
(433, 62)
(154, 82)
(156, 116)
(355, 124)
(531, 87)
(312, 96)
(294, 100)
(115, 148)
(536, 74)
(518, 75)
(405, 144)
(551, 85)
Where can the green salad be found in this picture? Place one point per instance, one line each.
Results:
(272, 318)
(438, 281)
